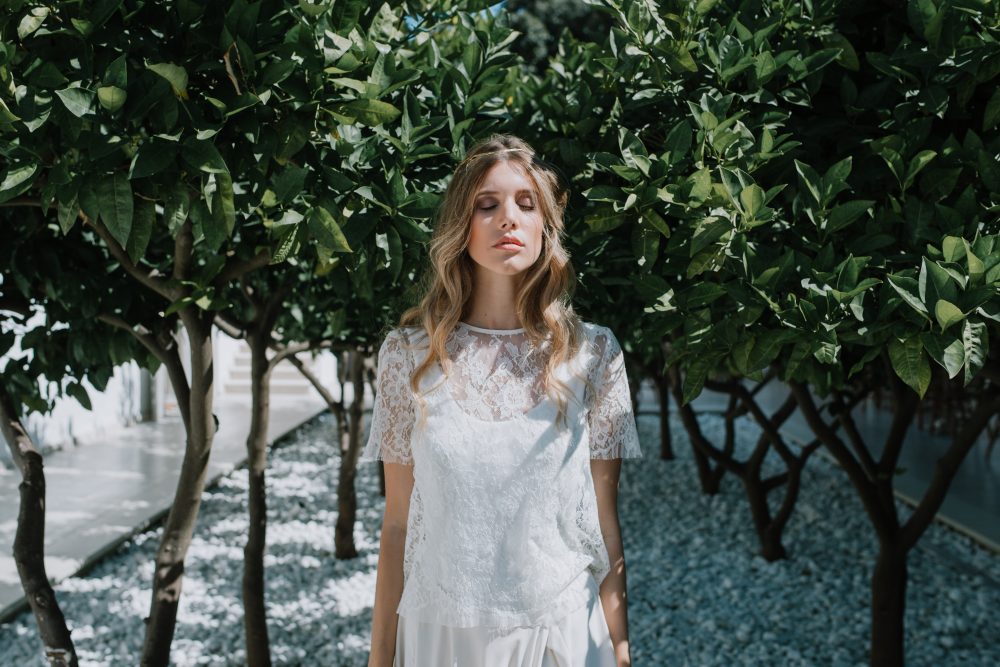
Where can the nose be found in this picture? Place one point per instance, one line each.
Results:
(510, 211)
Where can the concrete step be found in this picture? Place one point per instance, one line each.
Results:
(276, 390)
(289, 373)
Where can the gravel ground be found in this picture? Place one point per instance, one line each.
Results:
(700, 596)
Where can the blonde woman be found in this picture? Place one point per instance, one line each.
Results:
(502, 419)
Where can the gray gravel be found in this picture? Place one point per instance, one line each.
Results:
(700, 595)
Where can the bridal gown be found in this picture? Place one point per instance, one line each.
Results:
(503, 555)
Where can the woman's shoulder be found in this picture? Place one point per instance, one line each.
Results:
(596, 333)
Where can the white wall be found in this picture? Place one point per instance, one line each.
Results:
(120, 405)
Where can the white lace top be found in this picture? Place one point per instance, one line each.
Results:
(503, 518)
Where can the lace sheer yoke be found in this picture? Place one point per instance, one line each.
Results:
(496, 374)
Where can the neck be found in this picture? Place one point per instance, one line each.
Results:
(492, 305)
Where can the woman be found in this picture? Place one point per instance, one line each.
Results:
(501, 419)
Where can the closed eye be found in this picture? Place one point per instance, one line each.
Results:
(493, 206)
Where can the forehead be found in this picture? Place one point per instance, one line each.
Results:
(506, 176)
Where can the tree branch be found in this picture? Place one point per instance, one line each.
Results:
(150, 280)
(236, 268)
(282, 352)
(141, 333)
(945, 469)
(168, 356)
(230, 326)
(840, 451)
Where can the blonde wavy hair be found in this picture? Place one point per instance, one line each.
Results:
(543, 302)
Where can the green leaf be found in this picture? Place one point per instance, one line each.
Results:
(657, 221)
(203, 156)
(701, 185)
(290, 182)
(950, 356)
(695, 375)
(17, 180)
(142, 229)
(77, 101)
(114, 201)
(752, 198)
(116, 74)
(633, 151)
(977, 269)
(976, 343)
(845, 214)
(947, 313)
(67, 214)
(704, 6)
(678, 142)
(152, 158)
(79, 392)
(606, 220)
(910, 363)
(31, 21)
(176, 208)
(224, 203)
(921, 160)
(326, 231)
(175, 74)
(811, 179)
(369, 112)
(952, 247)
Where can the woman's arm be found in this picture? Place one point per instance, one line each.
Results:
(614, 595)
(389, 576)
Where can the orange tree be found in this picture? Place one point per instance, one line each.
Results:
(804, 192)
(199, 146)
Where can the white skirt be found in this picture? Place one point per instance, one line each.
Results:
(580, 639)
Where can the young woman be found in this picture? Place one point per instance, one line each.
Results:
(502, 419)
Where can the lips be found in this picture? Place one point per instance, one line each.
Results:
(506, 240)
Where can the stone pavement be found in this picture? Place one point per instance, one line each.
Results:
(101, 493)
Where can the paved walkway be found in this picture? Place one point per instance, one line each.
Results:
(99, 494)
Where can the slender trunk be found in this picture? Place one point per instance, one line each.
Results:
(888, 606)
(255, 614)
(347, 500)
(663, 394)
(889, 577)
(771, 548)
(29, 540)
(709, 482)
(179, 527)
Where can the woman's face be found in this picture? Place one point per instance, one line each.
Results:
(506, 205)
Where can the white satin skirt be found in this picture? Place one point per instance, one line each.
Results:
(580, 639)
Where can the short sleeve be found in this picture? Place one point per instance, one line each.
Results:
(613, 432)
(393, 411)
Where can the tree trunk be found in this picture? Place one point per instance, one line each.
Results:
(180, 523)
(29, 540)
(347, 500)
(254, 610)
(888, 606)
(709, 482)
(663, 394)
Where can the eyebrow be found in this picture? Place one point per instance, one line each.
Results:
(494, 192)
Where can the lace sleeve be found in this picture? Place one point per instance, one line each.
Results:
(393, 412)
(613, 432)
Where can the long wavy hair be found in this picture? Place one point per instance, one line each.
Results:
(544, 298)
